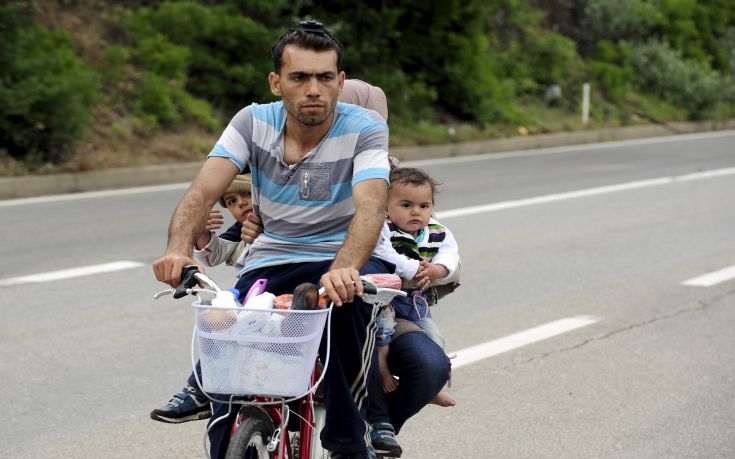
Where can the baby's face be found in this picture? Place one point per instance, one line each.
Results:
(239, 205)
(410, 206)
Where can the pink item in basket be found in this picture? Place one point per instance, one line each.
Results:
(256, 289)
(283, 301)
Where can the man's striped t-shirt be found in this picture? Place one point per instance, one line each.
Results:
(306, 207)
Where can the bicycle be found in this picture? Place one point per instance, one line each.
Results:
(261, 428)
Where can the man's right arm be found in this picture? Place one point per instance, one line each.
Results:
(190, 217)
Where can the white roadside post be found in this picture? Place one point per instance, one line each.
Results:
(585, 104)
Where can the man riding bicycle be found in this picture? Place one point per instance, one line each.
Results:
(320, 178)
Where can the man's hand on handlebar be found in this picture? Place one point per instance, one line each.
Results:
(342, 284)
(168, 268)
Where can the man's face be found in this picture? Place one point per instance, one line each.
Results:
(309, 84)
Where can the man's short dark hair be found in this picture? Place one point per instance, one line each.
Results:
(311, 35)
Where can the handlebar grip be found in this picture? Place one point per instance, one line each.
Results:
(187, 281)
(369, 288)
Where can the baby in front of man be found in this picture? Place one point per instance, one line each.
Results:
(427, 260)
(426, 257)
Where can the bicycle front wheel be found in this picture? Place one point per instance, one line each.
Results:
(250, 440)
(317, 452)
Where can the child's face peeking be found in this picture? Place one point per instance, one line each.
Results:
(239, 205)
(410, 206)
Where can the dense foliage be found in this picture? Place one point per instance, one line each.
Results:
(46, 91)
(484, 62)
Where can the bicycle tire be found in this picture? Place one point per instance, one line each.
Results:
(250, 440)
(317, 452)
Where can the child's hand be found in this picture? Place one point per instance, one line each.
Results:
(251, 228)
(390, 383)
(215, 220)
(429, 273)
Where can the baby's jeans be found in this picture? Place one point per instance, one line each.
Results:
(415, 308)
(386, 322)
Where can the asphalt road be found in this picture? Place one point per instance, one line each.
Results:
(604, 235)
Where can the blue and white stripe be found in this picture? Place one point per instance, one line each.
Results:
(306, 208)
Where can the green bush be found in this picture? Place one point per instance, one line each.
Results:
(162, 49)
(114, 59)
(612, 67)
(614, 20)
(684, 82)
(157, 54)
(214, 51)
(156, 99)
(526, 60)
(552, 58)
(410, 100)
(484, 97)
(163, 104)
(587, 22)
(46, 91)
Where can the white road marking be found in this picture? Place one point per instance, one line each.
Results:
(115, 266)
(93, 194)
(416, 163)
(567, 148)
(583, 193)
(69, 273)
(713, 278)
(520, 339)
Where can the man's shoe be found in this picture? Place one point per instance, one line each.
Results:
(383, 438)
(187, 405)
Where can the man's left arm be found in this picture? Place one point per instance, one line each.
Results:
(342, 281)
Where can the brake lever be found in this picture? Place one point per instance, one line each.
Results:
(382, 296)
(162, 293)
(188, 280)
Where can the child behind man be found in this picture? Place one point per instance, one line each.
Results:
(211, 250)
(425, 254)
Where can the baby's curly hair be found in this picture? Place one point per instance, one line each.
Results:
(413, 176)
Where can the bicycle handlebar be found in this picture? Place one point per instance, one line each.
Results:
(187, 281)
(190, 277)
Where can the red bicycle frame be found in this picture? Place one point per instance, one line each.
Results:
(306, 420)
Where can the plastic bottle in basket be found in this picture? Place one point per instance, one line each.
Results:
(221, 314)
(225, 299)
(252, 319)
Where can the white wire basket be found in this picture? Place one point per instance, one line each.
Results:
(269, 352)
